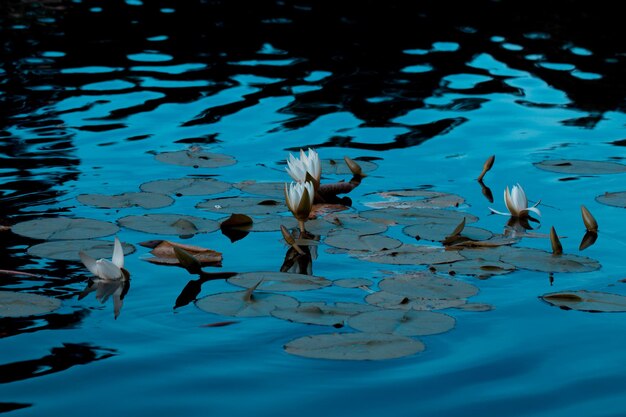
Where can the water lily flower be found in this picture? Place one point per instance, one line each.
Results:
(307, 164)
(103, 268)
(299, 199)
(517, 203)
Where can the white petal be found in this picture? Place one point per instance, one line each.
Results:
(499, 212)
(107, 269)
(89, 262)
(118, 253)
(508, 202)
(534, 210)
(518, 198)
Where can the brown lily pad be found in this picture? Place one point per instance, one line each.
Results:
(67, 250)
(320, 313)
(195, 157)
(58, 228)
(19, 304)
(617, 199)
(581, 167)
(244, 304)
(169, 224)
(143, 199)
(244, 205)
(164, 254)
(279, 281)
(186, 186)
(590, 301)
(404, 323)
(354, 346)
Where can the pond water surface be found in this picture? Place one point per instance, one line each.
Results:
(94, 93)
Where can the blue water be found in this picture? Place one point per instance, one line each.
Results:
(427, 95)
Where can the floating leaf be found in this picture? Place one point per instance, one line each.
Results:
(404, 323)
(582, 167)
(419, 216)
(236, 227)
(412, 199)
(169, 224)
(195, 157)
(144, 200)
(354, 346)
(58, 228)
(322, 314)
(273, 223)
(165, 254)
(347, 239)
(243, 304)
(389, 300)
(537, 260)
(186, 186)
(355, 223)
(411, 255)
(480, 268)
(613, 199)
(475, 307)
(440, 231)
(67, 250)
(19, 304)
(279, 281)
(591, 301)
(323, 209)
(427, 285)
(338, 167)
(275, 190)
(486, 167)
(246, 205)
(353, 282)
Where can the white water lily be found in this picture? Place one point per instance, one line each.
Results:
(307, 164)
(517, 203)
(299, 199)
(103, 268)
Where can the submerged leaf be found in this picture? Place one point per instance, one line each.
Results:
(591, 301)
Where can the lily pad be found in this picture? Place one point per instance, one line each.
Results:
(440, 231)
(169, 224)
(538, 260)
(273, 223)
(617, 199)
(339, 166)
(591, 301)
(355, 223)
(19, 304)
(419, 216)
(67, 250)
(404, 323)
(427, 285)
(353, 282)
(581, 167)
(411, 255)
(242, 304)
(405, 199)
(143, 199)
(479, 268)
(186, 186)
(244, 205)
(196, 157)
(389, 300)
(322, 314)
(347, 239)
(164, 254)
(58, 228)
(279, 281)
(475, 307)
(354, 346)
(274, 190)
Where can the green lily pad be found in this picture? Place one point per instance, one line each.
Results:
(591, 301)
(410, 255)
(279, 281)
(617, 199)
(440, 231)
(353, 282)
(427, 285)
(355, 223)
(389, 300)
(354, 346)
(538, 260)
(67, 250)
(242, 304)
(273, 223)
(581, 167)
(478, 268)
(321, 313)
(347, 239)
(243, 205)
(143, 199)
(169, 224)
(475, 307)
(411, 199)
(196, 158)
(19, 304)
(187, 186)
(419, 216)
(64, 228)
(339, 166)
(275, 190)
(404, 323)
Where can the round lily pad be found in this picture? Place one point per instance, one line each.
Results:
(320, 313)
(475, 307)
(354, 346)
(242, 304)
(538, 260)
(617, 199)
(427, 285)
(186, 186)
(243, 205)
(339, 166)
(347, 239)
(143, 199)
(274, 190)
(64, 228)
(479, 268)
(389, 300)
(169, 224)
(355, 223)
(19, 304)
(440, 231)
(581, 167)
(405, 199)
(419, 216)
(67, 250)
(353, 282)
(279, 281)
(591, 301)
(404, 323)
(410, 255)
(196, 158)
